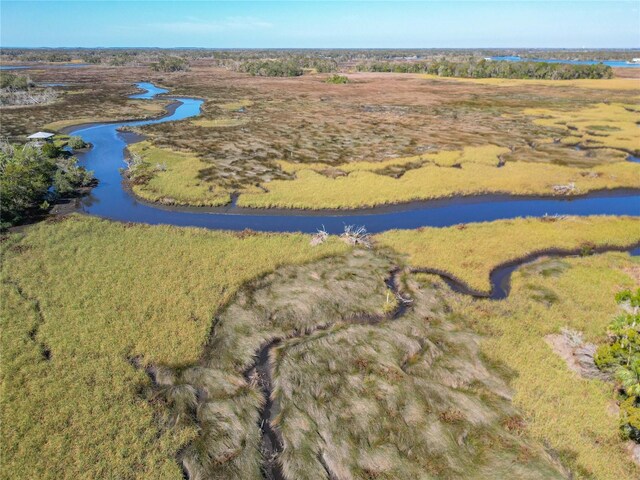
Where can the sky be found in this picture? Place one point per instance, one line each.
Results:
(315, 24)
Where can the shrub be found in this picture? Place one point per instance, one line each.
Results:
(630, 418)
(50, 150)
(61, 183)
(139, 171)
(12, 81)
(29, 179)
(337, 79)
(68, 176)
(76, 142)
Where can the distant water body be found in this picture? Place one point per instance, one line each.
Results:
(611, 63)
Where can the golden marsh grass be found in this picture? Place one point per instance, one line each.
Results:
(362, 188)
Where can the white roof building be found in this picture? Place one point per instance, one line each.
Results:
(40, 136)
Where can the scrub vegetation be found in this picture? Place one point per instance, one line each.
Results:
(16, 90)
(170, 64)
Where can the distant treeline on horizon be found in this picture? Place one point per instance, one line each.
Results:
(294, 62)
(106, 54)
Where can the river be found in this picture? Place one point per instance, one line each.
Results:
(110, 199)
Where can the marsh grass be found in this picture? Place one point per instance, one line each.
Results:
(408, 398)
(97, 100)
(363, 188)
(95, 294)
(249, 124)
(287, 303)
(336, 131)
(486, 154)
(472, 251)
(177, 182)
(602, 125)
(620, 84)
(235, 106)
(218, 122)
(572, 415)
(356, 394)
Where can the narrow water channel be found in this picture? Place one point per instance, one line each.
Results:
(111, 200)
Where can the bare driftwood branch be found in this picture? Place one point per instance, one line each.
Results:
(319, 237)
(354, 235)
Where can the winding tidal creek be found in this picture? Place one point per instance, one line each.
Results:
(112, 200)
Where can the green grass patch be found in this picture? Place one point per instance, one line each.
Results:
(337, 79)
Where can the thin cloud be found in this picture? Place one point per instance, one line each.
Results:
(195, 26)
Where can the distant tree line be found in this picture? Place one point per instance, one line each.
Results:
(493, 69)
(273, 68)
(321, 60)
(170, 64)
(292, 66)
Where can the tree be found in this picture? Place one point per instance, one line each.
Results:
(25, 177)
(29, 178)
(621, 355)
(170, 64)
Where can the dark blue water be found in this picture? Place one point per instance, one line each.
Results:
(633, 158)
(110, 200)
(611, 63)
